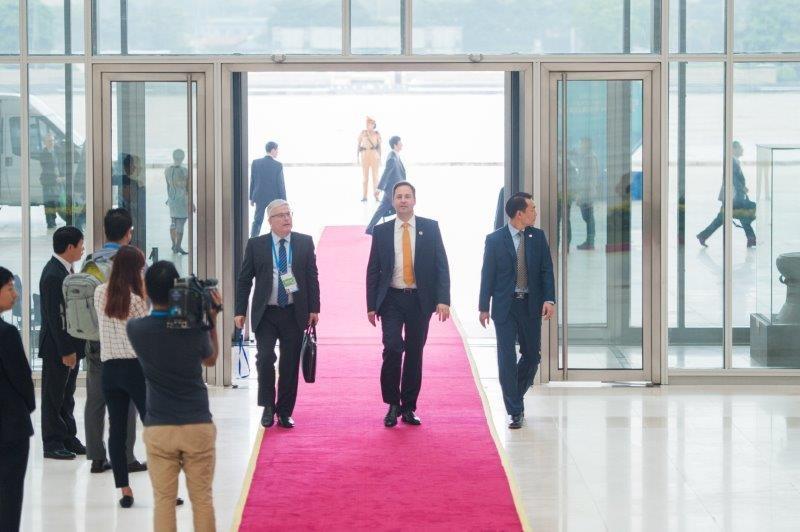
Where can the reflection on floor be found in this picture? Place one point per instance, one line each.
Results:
(589, 458)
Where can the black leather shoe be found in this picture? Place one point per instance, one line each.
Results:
(285, 421)
(136, 466)
(100, 466)
(75, 446)
(126, 501)
(516, 422)
(178, 502)
(60, 454)
(391, 416)
(410, 418)
(268, 417)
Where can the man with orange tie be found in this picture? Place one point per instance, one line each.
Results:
(408, 279)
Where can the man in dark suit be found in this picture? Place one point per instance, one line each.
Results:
(408, 279)
(18, 401)
(266, 184)
(59, 351)
(50, 180)
(393, 173)
(285, 302)
(517, 276)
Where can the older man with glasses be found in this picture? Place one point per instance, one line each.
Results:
(285, 302)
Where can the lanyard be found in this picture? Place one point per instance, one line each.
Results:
(111, 245)
(159, 313)
(288, 255)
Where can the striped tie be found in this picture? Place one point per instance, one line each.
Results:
(283, 297)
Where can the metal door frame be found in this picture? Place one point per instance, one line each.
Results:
(199, 125)
(653, 361)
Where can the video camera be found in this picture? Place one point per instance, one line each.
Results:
(190, 304)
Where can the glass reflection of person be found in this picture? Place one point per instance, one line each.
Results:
(584, 188)
(177, 177)
(132, 195)
(743, 208)
(369, 155)
(50, 179)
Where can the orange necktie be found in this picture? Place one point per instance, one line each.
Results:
(408, 263)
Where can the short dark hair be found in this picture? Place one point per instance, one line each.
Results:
(5, 276)
(65, 237)
(116, 224)
(178, 155)
(393, 141)
(517, 203)
(404, 184)
(159, 280)
(271, 145)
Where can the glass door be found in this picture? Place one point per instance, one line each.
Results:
(600, 179)
(152, 163)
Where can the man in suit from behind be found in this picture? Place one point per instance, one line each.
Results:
(18, 401)
(408, 279)
(285, 302)
(393, 173)
(517, 277)
(60, 352)
(266, 184)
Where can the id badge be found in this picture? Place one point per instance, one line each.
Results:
(289, 283)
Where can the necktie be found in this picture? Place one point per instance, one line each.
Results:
(522, 267)
(283, 297)
(408, 263)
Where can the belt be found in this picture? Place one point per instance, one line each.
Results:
(403, 290)
(290, 305)
(520, 295)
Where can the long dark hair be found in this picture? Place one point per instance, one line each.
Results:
(126, 277)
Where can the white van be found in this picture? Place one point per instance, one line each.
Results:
(43, 120)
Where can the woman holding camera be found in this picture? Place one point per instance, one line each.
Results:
(116, 302)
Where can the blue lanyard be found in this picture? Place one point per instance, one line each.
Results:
(288, 255)
(111, 245)
(160, 314)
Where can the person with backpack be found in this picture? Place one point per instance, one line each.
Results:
(118, 228)
(117, 301)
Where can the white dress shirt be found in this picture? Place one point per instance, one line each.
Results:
(276, 240)
(397, 274)
(67, 265)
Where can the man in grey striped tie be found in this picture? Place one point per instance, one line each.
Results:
(517, 278)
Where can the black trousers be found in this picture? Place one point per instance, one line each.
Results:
(51, 196)
(58, 403)
(278, 324)
(401, 377)
(516, 376)
(587, 213)
(717, 222)
(258, 219)
(383, 210)
(123, 382)
(13, 464)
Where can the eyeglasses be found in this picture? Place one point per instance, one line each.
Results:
(282, 215)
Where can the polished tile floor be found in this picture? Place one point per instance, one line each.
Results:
(590, 458)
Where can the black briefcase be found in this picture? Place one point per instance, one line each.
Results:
(308, 354)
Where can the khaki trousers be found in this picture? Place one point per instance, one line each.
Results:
(170, 449)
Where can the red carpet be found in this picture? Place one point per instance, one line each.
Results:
(340, 469)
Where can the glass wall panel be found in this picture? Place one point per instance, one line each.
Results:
(766, 26)
(57, 183)
(375, 27)
(55, 27)
(201, 27)
(697, 26)
(535, 26)
(766, 193)
(9, 27)
(11, 185)
(695, 282)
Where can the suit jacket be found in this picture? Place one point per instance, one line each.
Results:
(431, 270)
(499, 272)
(266, 181)
(393, 173)
(258, 264)
(53, 337)
(739, 184)
(16, 387)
